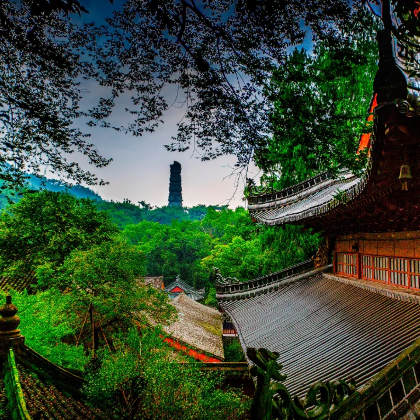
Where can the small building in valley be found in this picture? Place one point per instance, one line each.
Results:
(178, 286)
(198, 330)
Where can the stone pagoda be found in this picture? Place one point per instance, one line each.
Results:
(175, 188)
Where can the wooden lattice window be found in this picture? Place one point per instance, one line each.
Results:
(415, 274)
(375, 268)
(229, 328)
(398, 271)
(347, 264)
(403, 272)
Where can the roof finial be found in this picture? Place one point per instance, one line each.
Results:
(9, 321)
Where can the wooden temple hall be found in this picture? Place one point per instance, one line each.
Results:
(346, 325)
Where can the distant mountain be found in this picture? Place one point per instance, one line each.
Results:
(36, 183)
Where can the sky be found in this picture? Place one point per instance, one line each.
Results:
(140, 170)
(140, 167)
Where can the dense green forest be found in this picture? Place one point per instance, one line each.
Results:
(174, 241)
(65, 243)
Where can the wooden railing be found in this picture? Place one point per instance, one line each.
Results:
(265, 280)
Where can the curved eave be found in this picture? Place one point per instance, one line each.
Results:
(316, 203)
(395, 143)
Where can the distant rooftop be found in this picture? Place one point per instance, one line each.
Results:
(180, 286)
(198, 326)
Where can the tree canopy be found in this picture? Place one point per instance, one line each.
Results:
(218, 58)
(321, 103)
(40, 231)
(41, 63)
(214, 58)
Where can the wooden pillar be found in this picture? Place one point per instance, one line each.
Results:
(359, 263)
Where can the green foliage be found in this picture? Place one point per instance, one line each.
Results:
(126, 213)
(45, 322)
(122, 214)
(43, 228)
(143, 376)
(210, 299)
(220, 54)
(224, 225)
(165, 215)
(233, 351)
(239, 258)
(227, 239)
(40, 53)
(321, 105)
(268, 250)
(172, 250)
(107, 276)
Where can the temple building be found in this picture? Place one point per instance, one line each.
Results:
(178, 286)
(197, 332)
(175, 187)
(353, 311)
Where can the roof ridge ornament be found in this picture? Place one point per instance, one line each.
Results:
(222, 281)
(272, 400)
(10, 336)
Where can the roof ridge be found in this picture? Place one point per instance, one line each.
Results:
(233, 291)
(13, 388)
(50, 367)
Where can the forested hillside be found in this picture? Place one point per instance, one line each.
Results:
(226, 239)
(174, 241)
(8, 195)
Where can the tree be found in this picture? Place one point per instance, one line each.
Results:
(141, 381)
(43, 228)
(41, 62)
(107, 276)
(172, 250)
(219, 57)
(267, 250)
(321, 104)
(46, 322)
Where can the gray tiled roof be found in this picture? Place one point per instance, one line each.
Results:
(156, 282)
(325, 329)
(198, 326)
(311, 200)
